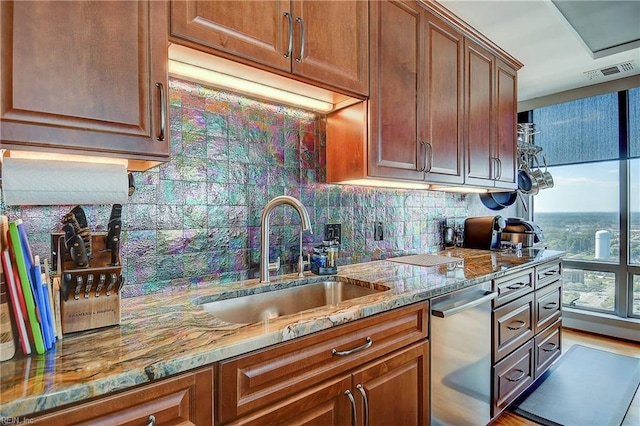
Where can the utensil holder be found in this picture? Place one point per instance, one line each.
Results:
(90, 297)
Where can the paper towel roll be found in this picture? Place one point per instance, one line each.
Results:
(48, 182)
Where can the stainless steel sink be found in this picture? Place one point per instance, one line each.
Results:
(291, 300)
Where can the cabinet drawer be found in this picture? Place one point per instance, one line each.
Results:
(548, 305)
(513, 325)
(548, 273)
(548, 347)
(512, 286)
(184, 400)
(252, 381)
(512, 376)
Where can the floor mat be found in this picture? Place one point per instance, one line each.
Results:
(585, 387)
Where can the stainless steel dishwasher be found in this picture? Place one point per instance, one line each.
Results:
(461, 356)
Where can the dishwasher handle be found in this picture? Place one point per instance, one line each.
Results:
(472, 303)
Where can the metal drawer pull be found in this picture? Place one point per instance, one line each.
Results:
(302, 39)
(354, 350)
(518, 327)
(366, 403)
(550, 305)
(354, 419)
(549, 273)
(151, 421)
(520, 376)
(290, 49)
(552, 347)
(163, 112)
(517, 286)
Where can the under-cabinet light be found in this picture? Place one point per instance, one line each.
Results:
(460, 189)
(37, 155)
(385, 184)
(251, 88)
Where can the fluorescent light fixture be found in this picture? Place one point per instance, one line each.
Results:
(251, 88)
(36, 155)
(460, 189)
(385, 184)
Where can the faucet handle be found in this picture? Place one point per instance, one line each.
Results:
(274, 266)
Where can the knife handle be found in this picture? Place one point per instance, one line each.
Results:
(101, 280)
(76, 294)
(87, 289)
(112, 284)
(76, 246)
(66, 282)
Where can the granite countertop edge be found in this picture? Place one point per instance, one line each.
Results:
(185, 337)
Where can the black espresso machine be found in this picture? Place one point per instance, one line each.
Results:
(496, 232)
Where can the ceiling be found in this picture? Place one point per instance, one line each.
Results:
(555, 57)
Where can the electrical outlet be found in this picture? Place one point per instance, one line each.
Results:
(333, 232)
(378, 231)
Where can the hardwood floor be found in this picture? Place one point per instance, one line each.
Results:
(570, 338)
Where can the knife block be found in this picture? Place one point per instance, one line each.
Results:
(90, 297)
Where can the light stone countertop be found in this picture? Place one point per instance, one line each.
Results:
(168, 333)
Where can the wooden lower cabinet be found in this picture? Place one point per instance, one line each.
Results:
(371, 371)
(527, 329)
(186, 399)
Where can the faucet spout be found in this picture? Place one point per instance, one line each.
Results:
(305, 224)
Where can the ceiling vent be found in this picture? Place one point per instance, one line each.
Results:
(622, 68)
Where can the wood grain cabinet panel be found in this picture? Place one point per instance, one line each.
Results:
(548, 347)
(548, 305)
(86, 78)
(324, 42)
(513, 325)
(512, 376)
(251, 382)
(186, 400)
(512, 287)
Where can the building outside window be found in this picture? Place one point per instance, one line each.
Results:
(592, 149)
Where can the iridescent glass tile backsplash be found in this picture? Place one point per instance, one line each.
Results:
(197, 218)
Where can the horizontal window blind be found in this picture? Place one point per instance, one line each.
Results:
(581, 131)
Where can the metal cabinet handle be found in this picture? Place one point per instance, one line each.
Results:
(151, 421)
(365, 402)
(550, 305)
(517, 327)
(549, 273)
(517, 286)
(302, 39)
(519, 377)
(498, 168)
(428, 156)
(290, 49)
(551, 348)
(354, 416)
(354, 350)
(163, 112)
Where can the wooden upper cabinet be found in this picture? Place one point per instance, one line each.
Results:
(506, 118)
(491, 113)
(325, 42)
(254, 30)
(479, 114)
(85, 78)
(442, 102)
(397, 72)
(331, 43)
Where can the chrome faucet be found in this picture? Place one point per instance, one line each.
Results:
(305, 224)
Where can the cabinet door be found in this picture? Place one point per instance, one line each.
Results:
(479, 128)
(442, 102)
(253, 30)
(336, 43)
(396, 81)
(395, 388)
(85, 77)
(506, 117)
(184, 400)
(322, 405)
